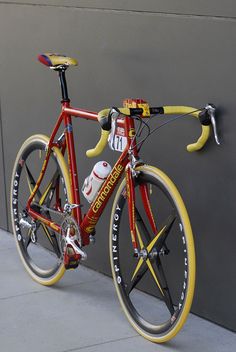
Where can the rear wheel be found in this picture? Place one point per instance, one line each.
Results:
(156, 288)
(39, 246)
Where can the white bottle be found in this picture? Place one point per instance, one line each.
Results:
(94, 181)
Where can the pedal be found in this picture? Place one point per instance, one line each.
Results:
(71, 259)
(73, 254)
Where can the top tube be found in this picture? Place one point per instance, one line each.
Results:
(85, 114)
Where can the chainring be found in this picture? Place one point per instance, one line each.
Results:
(69, 223)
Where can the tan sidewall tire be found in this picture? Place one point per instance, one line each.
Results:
(150, 170)
(61, 162)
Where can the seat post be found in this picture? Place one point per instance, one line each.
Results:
(62, 78)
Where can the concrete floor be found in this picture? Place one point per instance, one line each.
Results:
(81, 313)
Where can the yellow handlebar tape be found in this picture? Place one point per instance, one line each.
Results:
(177, 110)
(201, 140)
(91, 153)
(168, 110)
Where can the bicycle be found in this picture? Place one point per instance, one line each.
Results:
(151, 248)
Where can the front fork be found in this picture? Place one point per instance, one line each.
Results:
(130, 193)
(131, 173)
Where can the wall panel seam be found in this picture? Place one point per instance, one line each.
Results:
(122, 11)
(4, 169)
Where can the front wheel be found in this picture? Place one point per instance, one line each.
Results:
(156, 287)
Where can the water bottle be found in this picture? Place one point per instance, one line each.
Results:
(94, 181)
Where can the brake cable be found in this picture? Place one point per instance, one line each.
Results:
(156, 128)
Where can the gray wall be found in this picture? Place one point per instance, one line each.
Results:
(3, 203)
(167, 52)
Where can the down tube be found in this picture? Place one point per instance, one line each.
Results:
(95, 211)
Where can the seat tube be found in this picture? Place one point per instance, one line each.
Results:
(72, 164)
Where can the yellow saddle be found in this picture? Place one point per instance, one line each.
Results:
(54, 60)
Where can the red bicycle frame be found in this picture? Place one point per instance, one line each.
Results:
(88, 222)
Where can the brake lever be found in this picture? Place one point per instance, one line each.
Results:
(114, 113)
(211, 109)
